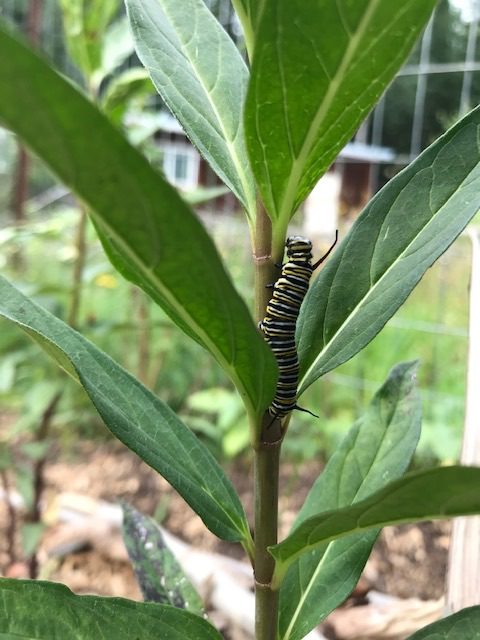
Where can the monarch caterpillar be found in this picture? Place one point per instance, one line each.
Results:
(280, 320)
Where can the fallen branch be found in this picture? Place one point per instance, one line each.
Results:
(226, 584)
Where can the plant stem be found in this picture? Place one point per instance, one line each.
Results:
(38, 475)
(264, 267)
(144, 337)
(78, 267)
(266, 468)
(246, 25)
(20, 185)
(266, 458)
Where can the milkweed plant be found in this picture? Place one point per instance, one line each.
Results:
(269, 123)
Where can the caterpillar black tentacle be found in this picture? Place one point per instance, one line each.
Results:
(306, 411)
(325, 255)
(280, 321)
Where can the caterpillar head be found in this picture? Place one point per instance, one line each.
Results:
(298, 246)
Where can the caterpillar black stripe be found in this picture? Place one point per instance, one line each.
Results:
(280, 321)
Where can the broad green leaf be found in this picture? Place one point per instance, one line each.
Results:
(37, 610)
(377, 450)
(85, 22)
(318, 69)
(159, 575)
(136, 417)
(126, 86)
(117, 46)
(424, 495)
(399, 235)
(202, 78)
(464, 625)
(151, 234)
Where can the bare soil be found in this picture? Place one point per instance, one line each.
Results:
(408, 561)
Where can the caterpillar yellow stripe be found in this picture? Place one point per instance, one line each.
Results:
(280, 320)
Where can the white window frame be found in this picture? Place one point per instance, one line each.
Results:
(171, 151)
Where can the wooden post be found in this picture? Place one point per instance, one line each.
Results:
(20, 185)
(463, 580)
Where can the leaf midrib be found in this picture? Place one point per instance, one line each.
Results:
(371, 291)
(312, 541)
(253, 400)
(158, 285)
(186, 478)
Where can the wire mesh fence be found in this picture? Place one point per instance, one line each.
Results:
(433, 322)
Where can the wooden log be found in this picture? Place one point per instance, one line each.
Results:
(226, 583)
(383, 618)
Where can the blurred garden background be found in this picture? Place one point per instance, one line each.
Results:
(50, 250)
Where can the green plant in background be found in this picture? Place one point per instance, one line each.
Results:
(269, 130)
(98, 44)
(108, 312)
(32, 388)
(218, 414)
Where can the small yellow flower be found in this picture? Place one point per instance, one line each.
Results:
(107, 281)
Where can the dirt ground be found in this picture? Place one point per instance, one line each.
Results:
(408, 561)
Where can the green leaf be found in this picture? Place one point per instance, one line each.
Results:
(424, 495)
(117, 46)
(202, 78)
(204, 194)
(128, 85)
(151, 235)
(399, 235)
(31, 534)
(34, 610)
(84, 24)
(377, 449)
(159, 575)
(136, 417)
(318, 69)
(463, 625)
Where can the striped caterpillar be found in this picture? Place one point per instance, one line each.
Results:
(280, 320)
